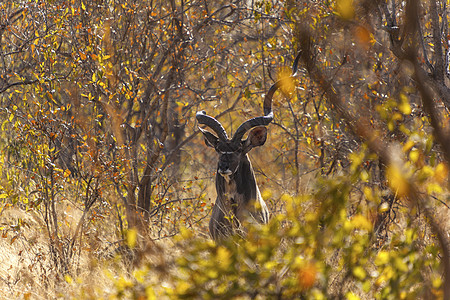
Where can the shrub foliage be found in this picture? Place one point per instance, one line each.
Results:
(106, 186)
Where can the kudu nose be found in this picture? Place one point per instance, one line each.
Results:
(224, 168)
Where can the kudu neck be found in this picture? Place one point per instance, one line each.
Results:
(243, 179)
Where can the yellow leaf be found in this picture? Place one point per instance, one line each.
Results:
(359, 272)
(404, 105)
(286, 198)
(425, 173)
(67, 173)
(139, 274)
(436, 282)
(414, 155)
(185, 233)
(351, 296)
(345, 9)
(382, 258)
(410, 236)
(364, 176)
(408, 145)
(359, 221)
(434, 188)
(131, 238)
(266, 195)
(441, 173)
(287, 83)
(363, 36)
(307, 275)
(397, 180)
(68, 279)
(368, 193)
(224, 257)
(150, 293)
(182, 287)
(400, 264)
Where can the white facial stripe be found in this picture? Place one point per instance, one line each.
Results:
(226, 172)
(226, 152)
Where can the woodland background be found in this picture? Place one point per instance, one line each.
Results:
(106, 186)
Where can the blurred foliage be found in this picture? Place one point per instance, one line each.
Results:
(103, 171)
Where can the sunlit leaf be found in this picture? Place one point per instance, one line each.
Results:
(359, 221)
(351, 296)
(68, 279)
(441, 173)
(307, 276)
(382, 258)
(345, 9)
(359, 272)
(363, 36)
(131, 237)
(397, 180)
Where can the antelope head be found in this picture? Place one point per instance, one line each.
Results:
(232, 151)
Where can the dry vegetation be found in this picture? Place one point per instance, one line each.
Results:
(106, 186)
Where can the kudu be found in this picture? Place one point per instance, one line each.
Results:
(238, 197)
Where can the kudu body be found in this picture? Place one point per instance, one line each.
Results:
(238, 198)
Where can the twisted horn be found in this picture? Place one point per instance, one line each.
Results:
(268, 114)
(212, 123)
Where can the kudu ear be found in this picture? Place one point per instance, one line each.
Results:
(210, 139)
(256, 137)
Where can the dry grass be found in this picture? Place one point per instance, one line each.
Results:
(27, 272)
